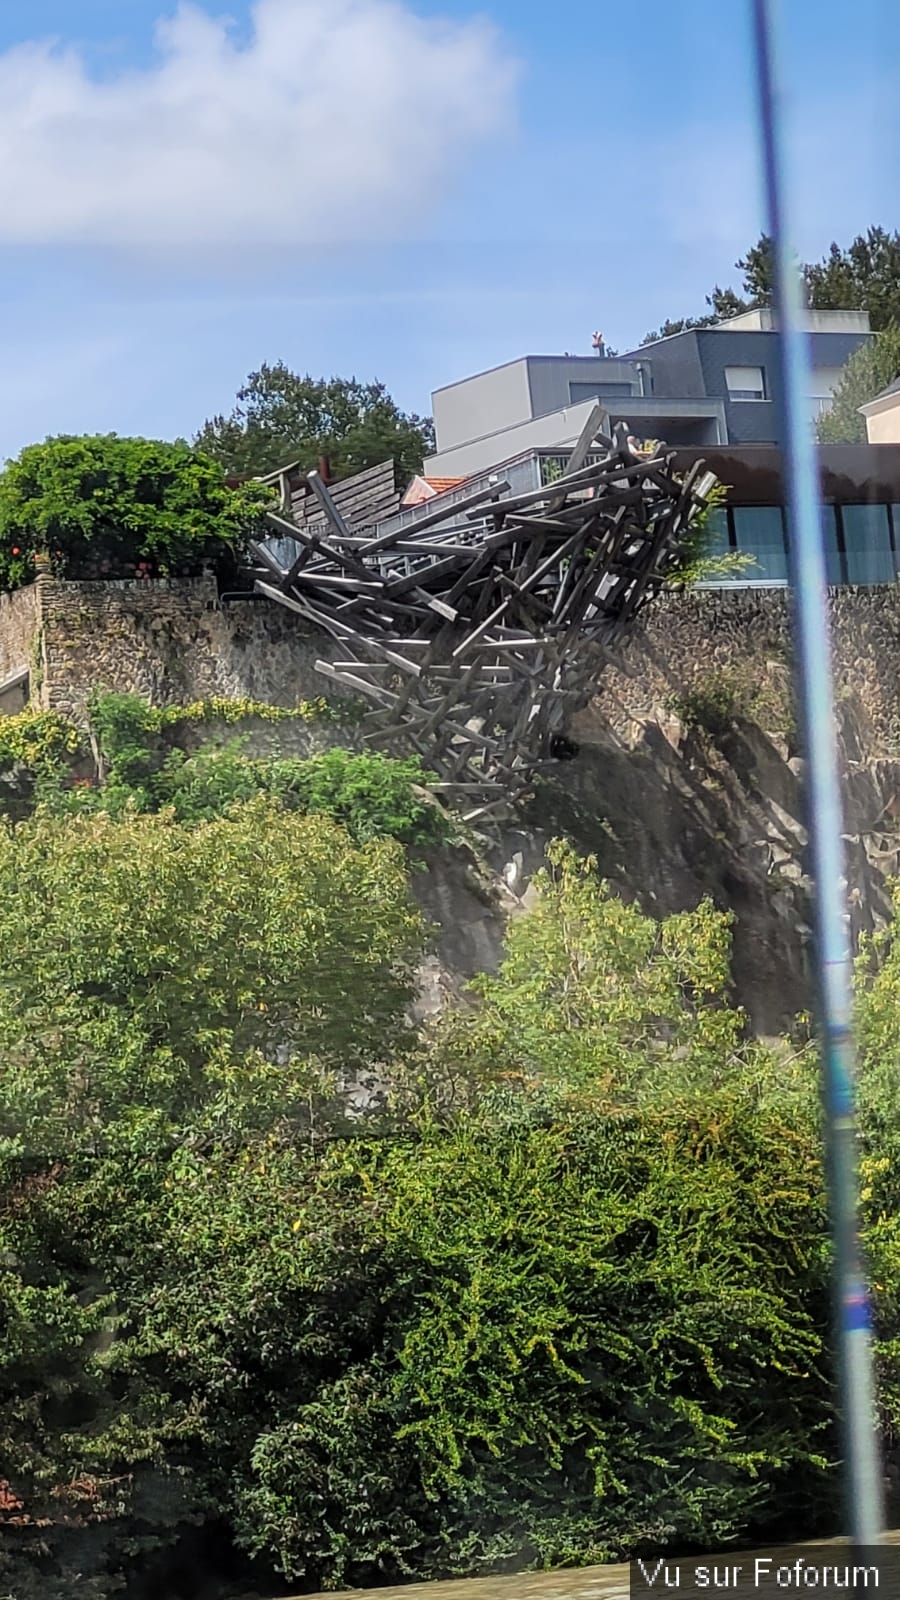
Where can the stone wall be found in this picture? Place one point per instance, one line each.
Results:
(684, 642)
(19, 640)
(175, 642)
(170, 641)
(671, 808)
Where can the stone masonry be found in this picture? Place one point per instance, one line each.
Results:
(172, 642)
(175, 642)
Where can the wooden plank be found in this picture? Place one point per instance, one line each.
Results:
(267, 560)
(431, 520)
(472, 638)
(475, 639)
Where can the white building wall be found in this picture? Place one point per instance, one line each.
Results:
(485, 404)
(559, 429)
(764, 320)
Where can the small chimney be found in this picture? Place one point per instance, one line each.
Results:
(324, 469)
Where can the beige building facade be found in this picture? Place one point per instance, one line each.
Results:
(883, 416)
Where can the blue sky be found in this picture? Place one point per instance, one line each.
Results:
(410, 191)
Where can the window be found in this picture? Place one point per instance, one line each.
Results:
(759, 532)
(834, 567)
(717, 542)
(867, 542)
(745, 383)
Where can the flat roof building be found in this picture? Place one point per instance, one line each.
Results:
(700, 388)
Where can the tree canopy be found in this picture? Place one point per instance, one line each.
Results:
(558, 1296)
(582, 1313)
(99, 505)
(870, 369)
(281, 417)
(146, 965)
(863, 276)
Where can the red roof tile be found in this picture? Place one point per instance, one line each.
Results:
(441, 485)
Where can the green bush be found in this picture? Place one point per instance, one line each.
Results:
(371, 795)
(100, 505)
(582, 1316)
(710, 705)
(475, 1351)
(714, 703)
(564, 1344)
(167, 996)
(559, 1297)
(37, 740)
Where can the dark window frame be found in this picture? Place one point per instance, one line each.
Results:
(837, 507)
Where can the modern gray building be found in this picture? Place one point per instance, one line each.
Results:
(701, 388)
(737, 362)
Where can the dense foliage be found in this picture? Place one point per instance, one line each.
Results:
(103, 506)
(863, 276)
(869, 370)
(167, 995)
(145, 767)
(281, 418)
(543, 1283)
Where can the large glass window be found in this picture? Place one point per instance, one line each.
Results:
(717, 540)
(834, 563)
(834, 567)
(867, 541)
(759, 531)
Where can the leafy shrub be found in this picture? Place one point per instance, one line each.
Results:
(37, 739)
(710, 705)
(371, 795)
(474, 1351)
(698, 560)
(583, 1318)
(714, 703)
(578, 1313)
(36, 749)
(99, 505)
(167, 995)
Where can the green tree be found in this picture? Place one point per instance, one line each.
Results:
(869, 370)
(102, 504)
(758, 273)
(757, 268)
(563, 1315)
(594, 999)
(862, 276)
(168, 997)
(281, 417)
(144, 964)
(583, 1315)
(503, 1346)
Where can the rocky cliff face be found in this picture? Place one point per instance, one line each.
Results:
(688, 782)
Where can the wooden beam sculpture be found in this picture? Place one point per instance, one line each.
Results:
(480, 629)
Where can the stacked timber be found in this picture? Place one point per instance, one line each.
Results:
(478, 631)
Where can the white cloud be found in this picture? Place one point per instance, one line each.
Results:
(339, 121)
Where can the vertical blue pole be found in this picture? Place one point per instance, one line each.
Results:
(834, 972)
